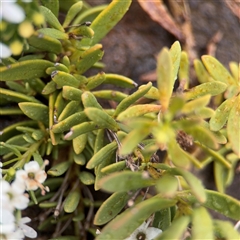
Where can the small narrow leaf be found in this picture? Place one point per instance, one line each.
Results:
(125, 181)
(165, 79)
(71, 202)
(176, 230)
(24, 70)
(51, 18)
(35, 111)
(108, 18)
(233, 126)
(202, 226)
(111, 207)
(59, 169)
(220, 117)
(217, 70)
(101, 118)
(212, 88)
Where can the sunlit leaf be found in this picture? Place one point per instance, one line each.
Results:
(202, 226)
(233, 126)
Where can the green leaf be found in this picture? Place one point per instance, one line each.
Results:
(45, 43)
(196, 104)
(101, 155)
(89, 57)
(71, 93)
(225, 230)
(124, 224)
(176, 154)
(221, 114)
(217, 70)
(64, 79)
(50, 18)
(129, 100)
(194, 183)
(175, 53)
(108, 18)
(24, 70)
(72, 12)
(86, 178)
(59, 169)
(71, 202)
(201, 71)
(54, 33)
(162, 219)
(212, 88)
(219, 202)
(138, 110)
(110, 95)
(115, 167)
(134, 138)
(101, 118)
(119, 80)
(167, 185)
(111, 207)
(35, 111)
(223, 203)
(202, 225)
(203, 135)
(125, 181)
(95, 81)
(233, 126)
(79, 143)
(71, 108)
(79, 159)
(176, 230)
(16, 96)
(165, 78)
(221, 176)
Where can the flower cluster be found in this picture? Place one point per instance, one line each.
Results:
(16, 25)
(13, 199)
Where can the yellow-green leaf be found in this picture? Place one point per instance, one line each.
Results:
(165, 78)
(233, 126)
(24, 70)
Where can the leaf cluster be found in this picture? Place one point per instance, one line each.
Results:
(149, 141)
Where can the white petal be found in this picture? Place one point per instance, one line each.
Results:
(21, 176)
(5, 186)
(18, 187)
(153, 232)
(28, 231)
(12, 12)
(40, 176)
(32, 166)
(24, 220)
(6, 217)
(21, 202)
(31, 184)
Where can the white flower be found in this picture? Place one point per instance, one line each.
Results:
(5, 51)
(7, 221)
(0, 162)
(15, 235)
(12, 196)
(144, 232)
(11, 12)
(27, 231)
(32, 176)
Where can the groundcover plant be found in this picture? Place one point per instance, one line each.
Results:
(65, 138)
